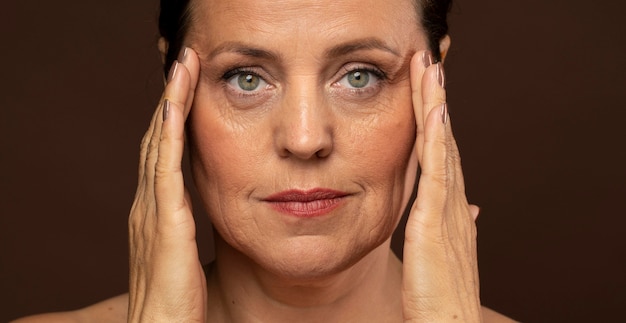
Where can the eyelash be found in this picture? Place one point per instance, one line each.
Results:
(347, 69)
(359, 67)
(230, 73)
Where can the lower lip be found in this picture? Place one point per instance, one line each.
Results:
(308, 209)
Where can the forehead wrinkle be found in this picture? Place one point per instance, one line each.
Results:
(256, 29)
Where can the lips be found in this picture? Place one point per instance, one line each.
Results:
(311, 203)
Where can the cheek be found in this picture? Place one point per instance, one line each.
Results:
(223, 156)
(383, 143)
(385, 146)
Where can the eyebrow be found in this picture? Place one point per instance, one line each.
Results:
(370, 43)
(244, 49)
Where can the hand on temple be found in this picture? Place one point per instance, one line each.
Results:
(440, 272)
(167, 282)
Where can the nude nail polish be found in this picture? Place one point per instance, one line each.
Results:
(166, 109)
(427, 59)
(441, 76)
(182, 55)
(172, 73)
(444, 113)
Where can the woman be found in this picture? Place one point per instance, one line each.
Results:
(306, 121)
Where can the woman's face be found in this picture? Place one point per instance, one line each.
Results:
(302, 126)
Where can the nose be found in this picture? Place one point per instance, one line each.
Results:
(303, 124)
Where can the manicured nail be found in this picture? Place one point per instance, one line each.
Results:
(427, 59)
(444, 113)
(172, 73)
(441, 77)
(182, 56)
(166, 109)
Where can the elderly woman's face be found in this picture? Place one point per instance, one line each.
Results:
(302, 126)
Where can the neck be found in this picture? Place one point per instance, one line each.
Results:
(242, 291)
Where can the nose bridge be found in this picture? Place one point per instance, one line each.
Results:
(304, 129)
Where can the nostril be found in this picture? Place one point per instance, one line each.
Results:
(324, 152)
(308, 147)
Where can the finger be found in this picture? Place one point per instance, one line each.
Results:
(427, 84)
(168, 170)
(148, 138)
(433, 88)
(474, 210)
(175, 90)
(456, 170)
(173, 208)
(143, 203)
(189, 58)
(419, 62)
(434, 187)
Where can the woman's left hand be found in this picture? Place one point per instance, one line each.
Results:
(440, 272)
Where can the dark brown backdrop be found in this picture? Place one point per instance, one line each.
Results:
(536, 95)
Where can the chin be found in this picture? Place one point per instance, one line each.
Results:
(313, 258)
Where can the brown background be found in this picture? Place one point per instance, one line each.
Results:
(536, 90)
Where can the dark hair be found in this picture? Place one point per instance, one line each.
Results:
(174, 20)
(175, 16)
(435, 22)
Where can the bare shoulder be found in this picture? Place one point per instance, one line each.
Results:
(491, 316)
(111, 310)
(116, 309)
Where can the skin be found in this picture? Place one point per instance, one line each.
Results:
(304, 127)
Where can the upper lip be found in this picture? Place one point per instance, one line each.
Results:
(296, 195)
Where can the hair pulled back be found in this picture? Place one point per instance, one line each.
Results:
(175, 17)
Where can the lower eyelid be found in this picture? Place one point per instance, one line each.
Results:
(357, 93)
(248, 99)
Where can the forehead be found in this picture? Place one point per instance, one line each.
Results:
(309, 22)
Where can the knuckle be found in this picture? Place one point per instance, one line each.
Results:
(135, 221)
(161, 172)
(152, 146)
(145, 141)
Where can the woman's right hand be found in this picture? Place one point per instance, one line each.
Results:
(167, 282)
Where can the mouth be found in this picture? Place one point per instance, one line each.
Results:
(306, 204)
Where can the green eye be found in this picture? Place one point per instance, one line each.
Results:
(358, 78)
(248, 82)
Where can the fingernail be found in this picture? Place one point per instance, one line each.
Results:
(444, 114)
(427, 58)
(441, 77)
(172, 73)
(166, 109)
(182, 56)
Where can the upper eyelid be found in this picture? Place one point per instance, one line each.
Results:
(351, 67)
(239, 70)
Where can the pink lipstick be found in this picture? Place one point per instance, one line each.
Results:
(306, 204)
